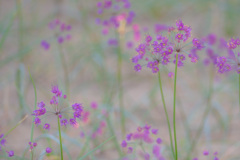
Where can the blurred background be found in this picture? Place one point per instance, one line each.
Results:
(90, 65)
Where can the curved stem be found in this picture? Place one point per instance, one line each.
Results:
(174, 108)
(205, 114)
(166, 113)
(60, 138)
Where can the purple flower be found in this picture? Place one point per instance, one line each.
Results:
(124, 144)
(205, 153)
(46, 126)
(148, 38)
(41, 104)
(159, 141)
(155, 131)
(10, 153)
(45, 44)
(129, 136)
(130, 150)
(2, 142)
(64, 122)
(155, 70)
(94, 105)
(197, 43)
(170, 74)
(112, 42)
(37, 121)
(137, 67)
(73, 122)
(48, 150)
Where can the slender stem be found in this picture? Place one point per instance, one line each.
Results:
(174, 109)
(119, 81)
(166, 113)
(14, 127)
(35, 103)
(205, 114)
(239, 91)
(60, 138)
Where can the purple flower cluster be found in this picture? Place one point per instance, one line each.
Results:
(32, 145)
(145, 135)
(76, 109)
(61, 32)
(120, 16)
(206, 153)
(163, 49)
(232, 61)
(2, 143)
(114, 21)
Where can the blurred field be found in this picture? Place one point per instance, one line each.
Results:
(92, 66)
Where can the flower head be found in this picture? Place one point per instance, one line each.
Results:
(67, 115)
(163, 49)
(145, 137)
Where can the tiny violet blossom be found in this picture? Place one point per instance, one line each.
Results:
(171, 74)
(10, 153)
(163, 49)
(94, 105)
(48, 150)
(67, 114)
(207, 154)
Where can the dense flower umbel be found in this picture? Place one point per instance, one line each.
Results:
(115, 15)
(232, 61)
(67, 115)
(140, 140)
(163, 49)
(61, 31)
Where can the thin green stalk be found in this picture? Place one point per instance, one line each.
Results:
(5, 135)
(174, 108)
(65, 70)
(35, 104)
(166, 113)
(239, 91)
(120, 88)
(113, 133)
(205, 114)
(96, 148)
(60, 138)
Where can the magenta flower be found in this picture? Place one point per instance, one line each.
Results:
(10, 153)
(137, 67)
(46, 126)
(45, 45)
(48, 150)
(64, 122)
(124, 144)
(205, 153)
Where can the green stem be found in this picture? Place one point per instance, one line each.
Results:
(239, 91)
(205, 114)
(120, 88)
(65, 70)
(35, 103)
(5, 135)
(166, 113)
(60, 138)
(174, 108)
